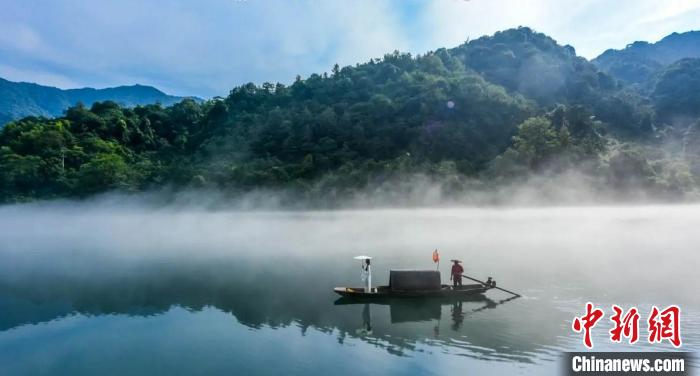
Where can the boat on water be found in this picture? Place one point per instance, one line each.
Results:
(417, 284)
(414, 284)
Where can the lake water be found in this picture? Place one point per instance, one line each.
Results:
(115, 289)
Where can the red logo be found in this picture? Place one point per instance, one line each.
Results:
(587, 322)
(662, 325)
(665, 325)
(626, 325)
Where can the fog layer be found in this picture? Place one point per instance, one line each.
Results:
(648, 250)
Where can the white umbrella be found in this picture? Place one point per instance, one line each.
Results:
(362, 257)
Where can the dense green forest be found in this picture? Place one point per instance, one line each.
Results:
(495, 110)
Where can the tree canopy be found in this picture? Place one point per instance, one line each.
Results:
(499, 106)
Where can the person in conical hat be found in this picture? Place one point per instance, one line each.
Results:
(456, 273)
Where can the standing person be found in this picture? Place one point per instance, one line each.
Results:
(456, 273)
(367, 275)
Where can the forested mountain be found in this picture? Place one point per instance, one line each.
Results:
(641, 62)
(20, 99)
(493, 110)
(676, 93)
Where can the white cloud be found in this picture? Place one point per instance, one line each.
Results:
(590, 26)
(670, 9)
(207, 47)
(20, 37)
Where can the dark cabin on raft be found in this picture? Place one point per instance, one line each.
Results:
(413, 284)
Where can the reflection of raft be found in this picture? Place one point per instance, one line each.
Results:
(414, 284)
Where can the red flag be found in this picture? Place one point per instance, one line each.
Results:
(436, 256)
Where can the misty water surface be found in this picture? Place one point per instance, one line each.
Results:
(122, 289)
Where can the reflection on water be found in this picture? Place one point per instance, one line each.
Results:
(259, 298)
(267, 303)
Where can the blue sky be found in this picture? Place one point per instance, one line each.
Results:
(206, 47)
